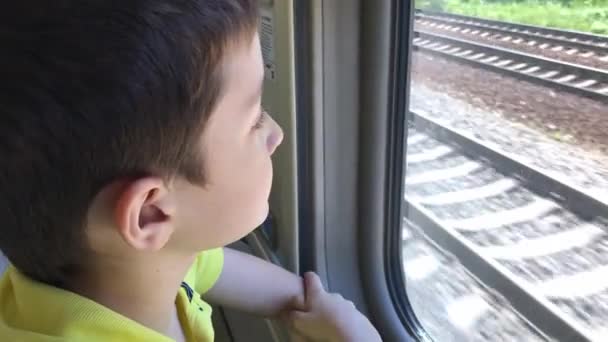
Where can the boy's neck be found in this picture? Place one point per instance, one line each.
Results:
(143, 289)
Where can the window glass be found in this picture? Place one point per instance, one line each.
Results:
(504, 236)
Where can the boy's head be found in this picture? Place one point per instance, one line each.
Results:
(129, 127)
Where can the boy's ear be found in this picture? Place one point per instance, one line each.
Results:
(144, 213)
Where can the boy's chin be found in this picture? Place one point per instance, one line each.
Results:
(255, 222)
(263, 215)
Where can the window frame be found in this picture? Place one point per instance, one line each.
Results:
(385, 108)
(351, 133)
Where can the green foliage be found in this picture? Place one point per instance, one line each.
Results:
(599, 27)
(580, 15)
(433, 5)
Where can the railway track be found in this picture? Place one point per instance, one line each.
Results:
(538, 241)
(583, 43)
(580, 80)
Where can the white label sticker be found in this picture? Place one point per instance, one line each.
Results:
(267, 42)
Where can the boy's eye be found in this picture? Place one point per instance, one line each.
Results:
(261, 118)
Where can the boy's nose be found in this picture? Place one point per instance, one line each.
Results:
(274, 139)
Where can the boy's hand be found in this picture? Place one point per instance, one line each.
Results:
(328, 316)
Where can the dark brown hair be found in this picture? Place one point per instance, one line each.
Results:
(96, 90)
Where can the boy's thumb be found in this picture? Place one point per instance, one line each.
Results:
(313, 284)
(298, 303)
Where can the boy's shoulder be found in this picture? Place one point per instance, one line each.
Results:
(33, 311)
(206, 270)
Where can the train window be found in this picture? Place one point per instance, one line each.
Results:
(506, 171)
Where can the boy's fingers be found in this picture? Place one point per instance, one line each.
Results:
(298, 337)
(313, 284)
(298, 303)
(299, 319)
(295, 316)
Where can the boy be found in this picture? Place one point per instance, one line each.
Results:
(132, 138)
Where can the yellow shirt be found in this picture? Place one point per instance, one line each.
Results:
(33, 311)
